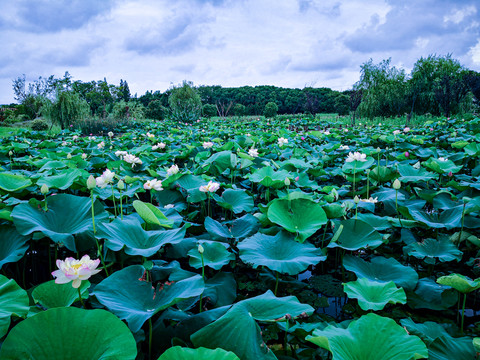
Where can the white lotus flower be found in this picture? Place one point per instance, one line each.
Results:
(92, 138)
(370, 200)
(356, 156)
(105, 179)
(132, 159)
(396, 132)
(120, 153)
(253, 152)
(153, 184)
(407, 129)
(442, 159)
(75, 137)
(150, 136)
(207, 144)
(110, 134)
(169, 206)
(172, 170)
(344, 147)
(210, 187)
(84, 156)
(282, 141)
(101, 145)
(75, 270)
(416, 165)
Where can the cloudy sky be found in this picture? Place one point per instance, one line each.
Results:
(289, 43)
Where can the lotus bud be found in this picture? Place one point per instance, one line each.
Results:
(91, 183)
(121, 185)
(69, 156)
(200, 249)
(378, 149)
(287, 181)
(10, 153)
(397, 184)
(450, 174)
(466, 199)
(407, 154)
(367, 171)
(44, 189)
(356, 199)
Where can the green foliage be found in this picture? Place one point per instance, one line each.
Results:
(39, 125)
(99, 126)
(185, 103)
(155, 110)
(67, 109)
(128, 110)
(270, 110)
(239, 110)
(342, 104)
(209, 110)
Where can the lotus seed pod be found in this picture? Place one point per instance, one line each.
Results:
(44, 189)
(397, 184)
(91, 183)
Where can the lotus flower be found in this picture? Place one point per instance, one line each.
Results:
(105, 179)
(132, 159)
(153, 184)
(160, 145)
(282, 141)
(396, 132)
(356, 156)
(120, 153)
(172, 170)
(210, 187)
(344, 147)
(75, 270)
(253, 152)
(207, 144)
(370, 200)
(442, 159)
(110, 134)
(101, 145)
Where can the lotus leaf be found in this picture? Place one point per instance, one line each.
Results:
(133, 299)
(269, 178)
(430, 249)
(430, 295)
(151, 214)
(67, 215)
(374, 295)
(237, 330)
(280, 253)
(63, 180)
(51, 295)
(460, 283)
(13, 301)
(371, 337)
(448, 348)
(215, 255)
(13, 182)
(180, 353)
(382, 269)
(70, 333)
(235, 200)
(354, 235)
(302, 217)
(12, 245)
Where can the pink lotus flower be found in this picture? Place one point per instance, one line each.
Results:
(450, 174)
(303, 138)
(75, 270)
(407, 154)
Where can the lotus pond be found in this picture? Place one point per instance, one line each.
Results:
(242, 239)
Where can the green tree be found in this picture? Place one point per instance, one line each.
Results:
(270, 110)
(185, 103)
(239, 110)
(123, 110)
(68, 108)
(342, 104)
(209, 110)
(155, 110)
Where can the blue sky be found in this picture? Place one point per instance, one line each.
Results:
(289, 43)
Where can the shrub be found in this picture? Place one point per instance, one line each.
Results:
(271, 110)
(239, 110)
(99, 126)
(39, 125)
(185, 103)
(209, 110)
(128, 110)
(155, 110)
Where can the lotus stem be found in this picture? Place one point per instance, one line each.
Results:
(46, 207)
(93, 214)
(203, 277)
(463, 310)
(396, 207)
(150, 336)
(114, 205)
(80, 297)
(276, 284)
(463, 220)
(354, 171)
(121, 206)
(368, 184)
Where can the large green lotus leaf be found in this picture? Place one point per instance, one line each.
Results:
(354, 235)
(430, 295)
(374, 295)
(221, 289)
(382, 269)
(371, 337)
(13, 301)
(409, 174)
(67, 216)
(235, 200)
(430, 249)
(280, 253)
(239, 228)
(449, 219)
(269, 178)
(134, 300)
(12, 182)
(70, 333)
(383, 174)
(51, 295)
(221, 161)
(442, 167)
(191, 184)
(129, 234)
(63, 180)
(379, 223)
(449, 348)
(358, 166)
(52, 165)
(181, 353)
(237, 330)
(428, 331)
(460, 282)
(12, 245)
(302, 217)
(472, 149)
(151, 214)
(215, 255)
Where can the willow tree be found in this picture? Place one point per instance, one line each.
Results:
(185, 103)
(67, 108)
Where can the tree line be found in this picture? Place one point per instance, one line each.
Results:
(437, 85)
